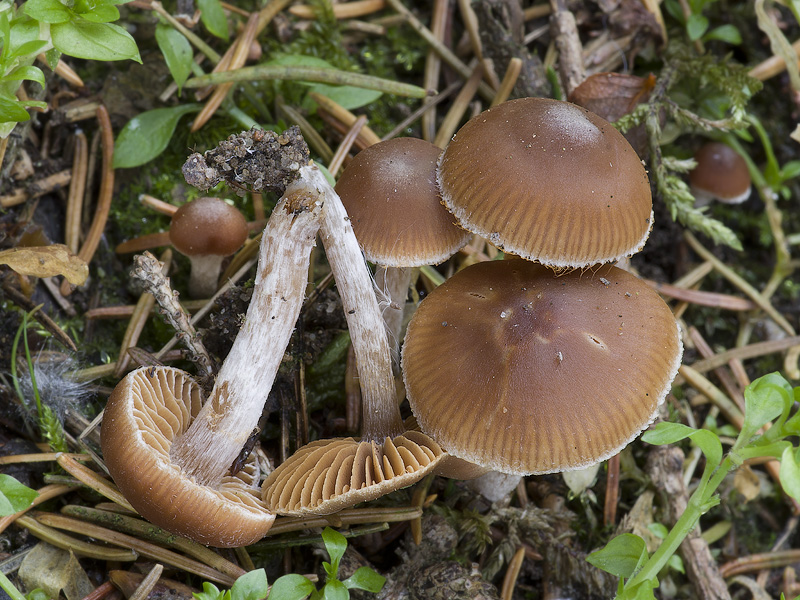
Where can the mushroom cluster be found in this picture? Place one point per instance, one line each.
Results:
(509, 365)
(533, 368)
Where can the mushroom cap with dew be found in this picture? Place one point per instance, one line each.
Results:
(511, 367)
(390, 193)
(720, 173)
(146, 412)
(548, 181)
(207, 226)
(326, 476)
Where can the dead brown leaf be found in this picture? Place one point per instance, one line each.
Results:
(46, 261)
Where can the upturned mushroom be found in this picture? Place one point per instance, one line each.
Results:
(207, 230)
(518, 370)
(170, 457)
(390, 192)
(721, 174)
(514, 173)
(383, 427)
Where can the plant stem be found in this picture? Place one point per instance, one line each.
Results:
(697, 507)
(315, 74)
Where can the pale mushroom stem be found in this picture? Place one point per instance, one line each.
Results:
(204, 275)
(393, 284)
(381, 416)
(216, 436)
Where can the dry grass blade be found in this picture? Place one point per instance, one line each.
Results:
(456, 113)
(723, 301)
(342, 10)
(46, 493)
(346, 144)
(148, 583)
(135, 544)
(743, 353)
(67, 542)
(350, 516)
(104, 197)
(72, 225)
(512, 573)
(140, 316)
(99, 484)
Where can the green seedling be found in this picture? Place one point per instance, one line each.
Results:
(768, 421)
(49, 425)
(253, 585)
(83, 30)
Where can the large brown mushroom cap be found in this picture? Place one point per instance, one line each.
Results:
(548, 181)
(207, 226)
(390, 193)
(720, 173)
(511, 367)
(328, 475)
(146, 412)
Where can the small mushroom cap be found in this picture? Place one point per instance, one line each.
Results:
(511, 367)
(720, 173)
(326, 476)
(548, 181)
(207, 226)
(145, 413)
(391, 196)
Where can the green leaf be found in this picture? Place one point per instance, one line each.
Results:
(790, 170)
(765, 399)
(37, 594)
(53, 56)
(213, 17)
(291, 587)
(669, 433)
(659, 530)
(210, 592)
(622, 556)
(94, 41)
(335, 544)
(11, 110)
(14, 496)
(29, 48)
(177, 52)
(365, 579)
(47, 11)
(27, 73)
(335, 590)
(790, 472)
(725, 33)
(696, 26)
(250, 586)
(676, 563)
(146, 135)
(100, 12)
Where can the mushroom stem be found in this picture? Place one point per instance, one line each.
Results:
(214, 440)
(204, 275)
(381, 416)
(393, 284)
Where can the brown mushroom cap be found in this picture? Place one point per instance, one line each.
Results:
(207, 226)
(513, 368)
(548, 181)
(328, 475)
(720, 173)
(146, 412)
(391, 196)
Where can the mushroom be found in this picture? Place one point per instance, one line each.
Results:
(720, 174)
(169, 456)
(390, 192)
(548, 181)
(516, 369)
(207, 230)
(383, 428)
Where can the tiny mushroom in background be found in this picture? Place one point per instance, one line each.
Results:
(207, 230)
(721, 174)
(548, 181)
(516, 369)
(170, 457)
(390, 192)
